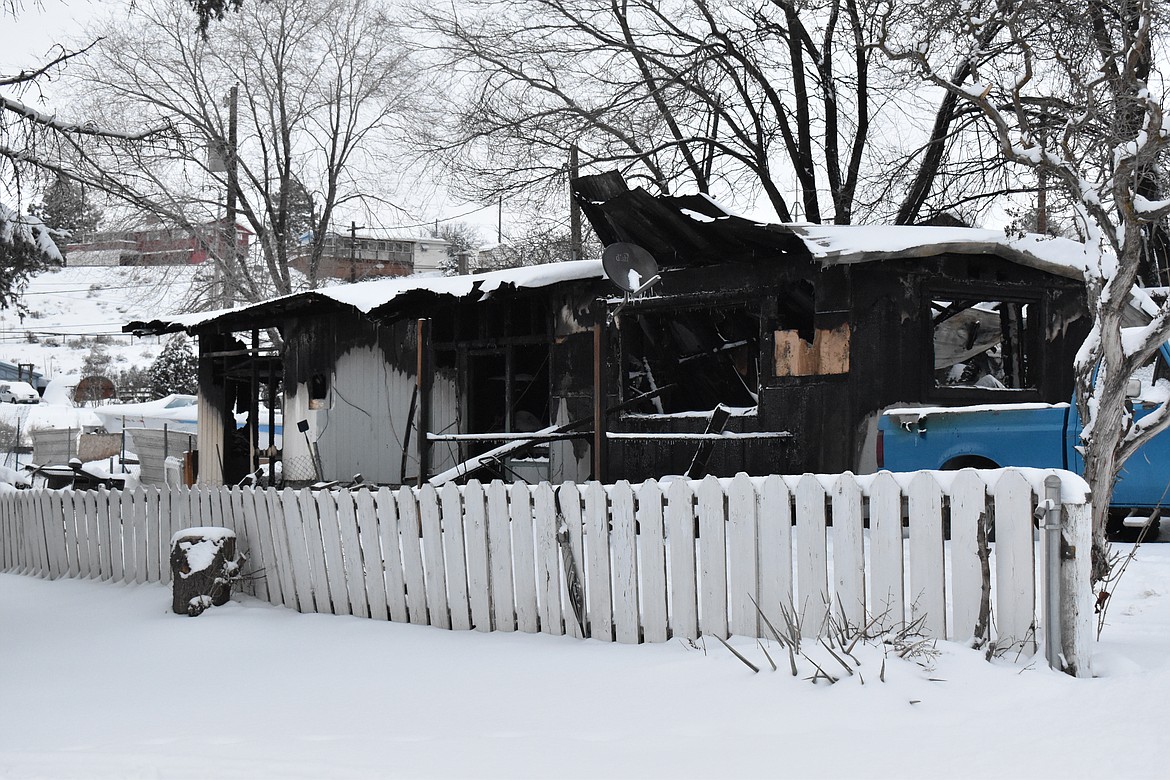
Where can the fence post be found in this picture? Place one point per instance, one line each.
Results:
(1076, 588)
(1052, 529)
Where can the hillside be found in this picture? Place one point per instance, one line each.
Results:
(71, 309)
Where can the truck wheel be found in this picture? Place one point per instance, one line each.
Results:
(969, 462)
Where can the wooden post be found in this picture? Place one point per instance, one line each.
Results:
(423, 383)
(1076, 598)
(599, 440)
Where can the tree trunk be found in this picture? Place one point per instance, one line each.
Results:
(203, 565)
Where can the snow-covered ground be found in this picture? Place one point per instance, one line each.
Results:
(101, 681)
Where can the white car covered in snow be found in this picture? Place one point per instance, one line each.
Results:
(18, 393)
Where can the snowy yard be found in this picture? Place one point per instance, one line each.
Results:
(101, 681)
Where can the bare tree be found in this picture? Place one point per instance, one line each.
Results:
(320, 89)
(771, 99)
(1082, 106)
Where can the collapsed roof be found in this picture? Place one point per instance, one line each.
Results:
(696, 230)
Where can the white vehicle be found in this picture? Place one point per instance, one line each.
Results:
(18, 393)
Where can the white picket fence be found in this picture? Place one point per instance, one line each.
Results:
(654, 561)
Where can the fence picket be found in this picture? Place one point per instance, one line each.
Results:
(500, 557)
(596, 527)
(812, 576)
(121, 513)
(887, 573)
(36, 537)
(775, 553)
(91, 535)
(576, 613)
(367, 521)
(848, 551)
(968, 508)
(331, 543)
(351, 553)
(166, 529)
(432, 544)
(261, 567)
(624, 547)
(392, 554)
(680, 536)
(523, 558)
(141, 541)
(712, 558)
(301, 589)
(479, 583)
(54, 533)
(548, 570)
(743, 547)
(457, 567)
(72, 546)
(40, 549)
(412, 566)
(280, 545)
(154, 559)
(1015, 562)
(927, 578)
(107, 524)
(655, 622)
(311, 526)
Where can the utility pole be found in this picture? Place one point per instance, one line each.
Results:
(228, 259)
(500, 223)
(574, 209)
(354, 227)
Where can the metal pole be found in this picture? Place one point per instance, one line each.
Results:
(1053, 641)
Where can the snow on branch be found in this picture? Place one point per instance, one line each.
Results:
(86, 128)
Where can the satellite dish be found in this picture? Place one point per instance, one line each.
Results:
(629, 266)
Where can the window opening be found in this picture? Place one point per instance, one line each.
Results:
(982, 344)
(692, 359)
(318, 391)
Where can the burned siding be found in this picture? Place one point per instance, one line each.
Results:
(354, 380)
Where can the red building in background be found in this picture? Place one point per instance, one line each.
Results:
(155, 245)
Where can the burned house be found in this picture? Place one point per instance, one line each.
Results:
(758, 348)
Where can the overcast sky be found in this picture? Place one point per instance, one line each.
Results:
(28, 39)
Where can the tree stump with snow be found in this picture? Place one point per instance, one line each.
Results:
(204, 563)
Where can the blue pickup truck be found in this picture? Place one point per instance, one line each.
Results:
(1032, 434)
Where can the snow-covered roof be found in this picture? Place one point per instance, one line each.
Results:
(843, 244)
(371, 295)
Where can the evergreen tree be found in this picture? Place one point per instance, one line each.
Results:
(297, 221)
(65, 209)
(174, 370)
(26, 248)
(461, 239)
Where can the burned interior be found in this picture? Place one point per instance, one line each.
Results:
(691, 359)
(981, 343)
